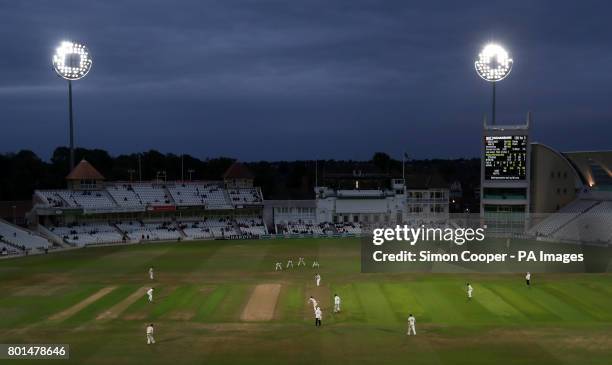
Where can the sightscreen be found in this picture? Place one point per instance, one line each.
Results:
(505, 157)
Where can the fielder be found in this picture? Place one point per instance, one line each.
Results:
(301, 262)
(469, 291)
(279, 266)
(318, 279)
(150, 338)
(411, 325)
(290, 263)
(336, 303)
(151, 273)
(150, 294)
(314, 303)
(315, 263)
(528, 279)
(318, 317)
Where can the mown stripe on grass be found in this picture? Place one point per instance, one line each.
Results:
(183, 307)
(352, 308)
(233, 303)
(18, 311)
(210, 303)
(99, 306)
(497, 305)
(404, 302)
(519, 299)
(582, 299)
(68, 312)
(290, 303)
(375, 303)
(142, 308)
(438, 301)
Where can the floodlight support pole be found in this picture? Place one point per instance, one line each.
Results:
(493, 114)
(71, 124)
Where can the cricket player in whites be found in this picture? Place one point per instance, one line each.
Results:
(411, 325)
(150, 294)
(151, 273)
(318, 317)
(528, 279)
(315, 263)
(301, 262)
(150, 338)
(289, 263)
(336, 303)
(469, 291)
(279, 266)
(318, 279)
(314, 303)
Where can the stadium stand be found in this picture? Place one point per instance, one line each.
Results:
(152, 194)
(8, 250)
(51, 198)
(87, 199)
(221, 227)
(350, 228)
(19, 238)
(251, 225)
(150, 231)
(557, 220)
(594, 225)
(83, 234)
(193, 194)
(245, 196)
(195, 229)
(124, 195)
(301, 226)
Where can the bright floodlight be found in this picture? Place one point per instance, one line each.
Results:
(493, 63)
(72, 60)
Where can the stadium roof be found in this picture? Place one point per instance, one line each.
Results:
(84, 171)
(238, 171)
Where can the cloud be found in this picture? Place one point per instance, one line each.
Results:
(348, 74)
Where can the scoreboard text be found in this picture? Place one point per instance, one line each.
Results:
(505, 157)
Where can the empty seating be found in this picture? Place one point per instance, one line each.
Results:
(245, 196)
(301, 226)
(150, 231)
(351, 228)
(82, 234)
(151, 194)
(52, 198)
(196, 229)
(124, 195)
(6, 250)
(555, 221)
(594, 225)
(251, 225)
(221, 227)
(21, 238)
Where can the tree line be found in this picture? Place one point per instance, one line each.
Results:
(23, 172)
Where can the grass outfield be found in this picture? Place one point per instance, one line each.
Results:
(90, 299)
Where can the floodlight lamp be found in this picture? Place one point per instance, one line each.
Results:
(72, 60)
(493, 63)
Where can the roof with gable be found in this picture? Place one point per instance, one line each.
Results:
(238, 171)
(84, 171)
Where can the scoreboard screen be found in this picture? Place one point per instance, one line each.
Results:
(505, 157)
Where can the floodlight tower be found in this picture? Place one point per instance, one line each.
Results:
(71, 62)
(493, 64)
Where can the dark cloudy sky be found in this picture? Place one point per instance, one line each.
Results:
(303, 79)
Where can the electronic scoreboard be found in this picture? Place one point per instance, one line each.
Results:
(505, 157)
